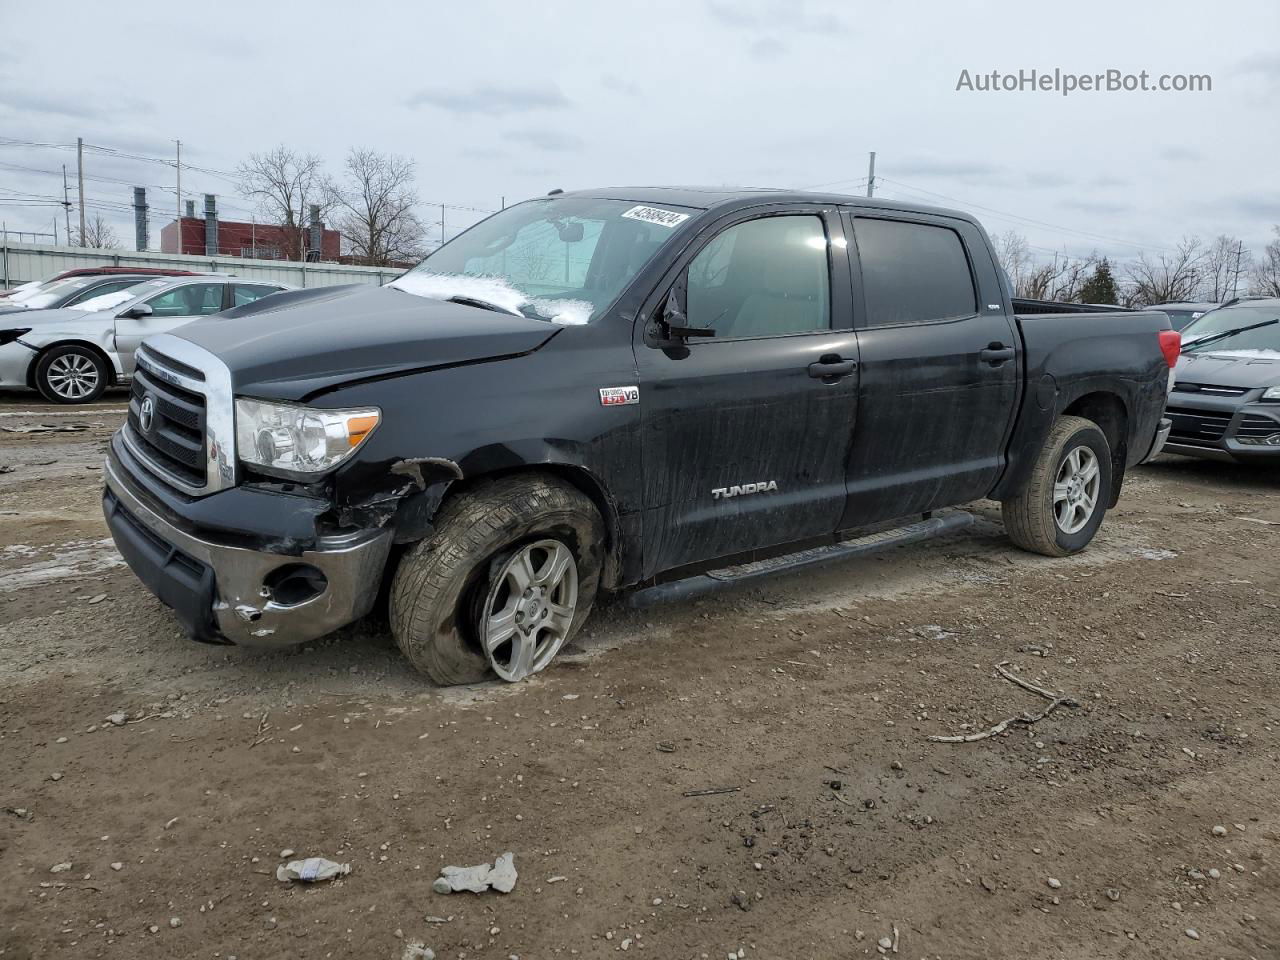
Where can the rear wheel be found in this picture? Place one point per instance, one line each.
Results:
(71, 374)
(504, 583)
(1059, 510)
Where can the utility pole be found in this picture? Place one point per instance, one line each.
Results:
(1235, 274)
(179, 143)
(66, 202)
(871, 175)
(442, 224)
(80, 176)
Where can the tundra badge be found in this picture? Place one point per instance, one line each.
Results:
(725, 493)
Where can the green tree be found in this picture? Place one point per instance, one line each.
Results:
(1101, 286)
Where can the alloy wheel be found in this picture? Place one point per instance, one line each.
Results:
(530, 609)
(1075, 490)
(72, 376)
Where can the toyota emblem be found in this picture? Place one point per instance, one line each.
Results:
(147, 413)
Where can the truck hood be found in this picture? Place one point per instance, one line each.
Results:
(291, 346)
(1249, 369)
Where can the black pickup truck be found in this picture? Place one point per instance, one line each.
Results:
(663, 389)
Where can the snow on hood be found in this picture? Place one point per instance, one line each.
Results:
(495, 290)
(106, 301)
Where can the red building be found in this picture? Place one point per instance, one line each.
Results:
(256, 240)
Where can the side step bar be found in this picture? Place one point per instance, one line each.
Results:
(716, 580)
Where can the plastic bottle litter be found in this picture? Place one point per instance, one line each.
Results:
(311, 870)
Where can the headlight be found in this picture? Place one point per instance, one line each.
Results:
(296, 441)
(1271, 393)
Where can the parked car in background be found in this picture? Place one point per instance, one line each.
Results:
(72, 354)
(70, 291)
(1181, 313)
(1225, 403)
(27, 288)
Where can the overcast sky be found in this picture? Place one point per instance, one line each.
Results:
(512, 99)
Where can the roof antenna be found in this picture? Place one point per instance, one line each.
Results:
(552, 193)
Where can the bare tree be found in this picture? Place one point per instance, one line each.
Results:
(1060, 279)
(375, 209)
(1266, 272)
(1168, 277)
(1014, 255)
(1226, 263)
(97, 233)
(284, 184)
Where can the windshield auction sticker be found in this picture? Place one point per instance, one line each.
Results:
(663, 218)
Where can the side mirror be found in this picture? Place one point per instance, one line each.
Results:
(672, 330)
(675, 323)
(139, 312)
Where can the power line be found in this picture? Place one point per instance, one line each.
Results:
(1019, 217)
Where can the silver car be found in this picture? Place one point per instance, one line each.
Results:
(71, 355)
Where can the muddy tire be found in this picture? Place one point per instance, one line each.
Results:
(445, 588)
(71, 374)
(1062, 505)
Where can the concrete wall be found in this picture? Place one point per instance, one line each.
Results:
(21, 262)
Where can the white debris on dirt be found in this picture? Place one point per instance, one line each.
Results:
(75, 560)
(500, 875)
(1147, 553)
(311, 870)
(417, 951)
(495, 290)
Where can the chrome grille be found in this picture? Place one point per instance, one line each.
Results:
(1212, 389)
(180, 424)
(174, 437)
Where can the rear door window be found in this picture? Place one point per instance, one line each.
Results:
(913, 272)
(189, 300)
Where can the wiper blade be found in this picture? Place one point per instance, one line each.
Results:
(1214, 337)
(484, 305)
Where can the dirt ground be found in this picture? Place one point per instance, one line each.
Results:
(1090, 834)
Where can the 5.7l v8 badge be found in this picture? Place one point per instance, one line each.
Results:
(616, 396)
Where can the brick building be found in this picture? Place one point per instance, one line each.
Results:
(260, 241)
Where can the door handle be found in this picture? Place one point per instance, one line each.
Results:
(996, 354)
(831, 369)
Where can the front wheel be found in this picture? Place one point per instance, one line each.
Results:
(71, 374)
(1061, 506)
(504, 583)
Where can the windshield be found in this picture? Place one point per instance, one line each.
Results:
(51, 293)
(560, 259)
(108, 300)
(1232, 318)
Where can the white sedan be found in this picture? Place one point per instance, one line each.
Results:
(72, 355)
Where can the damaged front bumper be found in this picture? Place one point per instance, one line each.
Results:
(227, 593)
